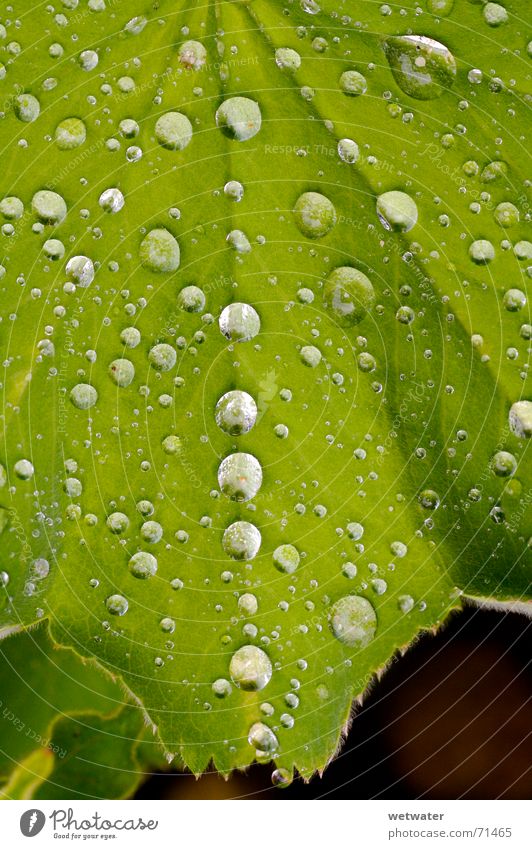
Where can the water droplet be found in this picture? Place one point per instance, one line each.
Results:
(173, 131)
(310, 356)
(481, 251)
(162, 357)
(250, 668)
(240, 476)
(429, 499)
(70, 133)
(405, 603)
(353, 621)
(83, 396)
(49, 207)
(191, 299)
(151, 531)
(287, 58)
(236, 412)
(241, 540)
(234, 190)
(239, 322)
(281, 777)
(239, 118)
(81, 270)
(314, 215)
(248, 604)
(159, 251)
(494, 14)
(143, 565)
(167, 625)
(117, 523)
(111, 200)
(397, 211)
(348, 151)
(514, 300)
(222, 688)
(503, 464)
(117, 604)
(26, 107)
(262, 738)
(349, 295)
(520, 419)
(122, 372)
(353, 83)
(286, 558)
(422, 67)
(193, 55)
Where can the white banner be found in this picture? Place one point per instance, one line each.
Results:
(267, 824)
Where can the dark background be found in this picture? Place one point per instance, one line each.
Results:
(449, 720)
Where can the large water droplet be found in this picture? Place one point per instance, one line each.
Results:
(349, 295)
(239, 322)
(143, 565)
(314, 215)
(173, 131)
(353, 621)
(70, 133)
(520, 419)
(117, 604)
(239, 118)
(503, 464)
(397, 211)
(48, 206)
(236, 412)
(83, 396)
(240, 476)
(422, 67)
(250, 668)
(262, 738)
(286, 558)
(159, 251)
(241, 541)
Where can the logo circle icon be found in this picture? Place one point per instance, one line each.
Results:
(32, 822)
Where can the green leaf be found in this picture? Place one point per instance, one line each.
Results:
(383, 393)
(65, 730)
(38, 683)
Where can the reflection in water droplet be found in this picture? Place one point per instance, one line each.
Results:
(314, 215)
(281, 777)
(520, 419)
(241, 541)
(240, 476)
(348, 294)
(117, 605)
(286, 558)
(122, 372)
(70, 133)
(143, 565)
(222, 688)
(353, 621)
(239, 322)
(503, 464)
(236, 412)
(239, 118)
(397, 211)
(173, 131)
(422, 67)
(353, 83)
(159, 251)
(250, 668)
(83, 396)
(262, 738)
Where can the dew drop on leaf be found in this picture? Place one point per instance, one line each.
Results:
(250, 668)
